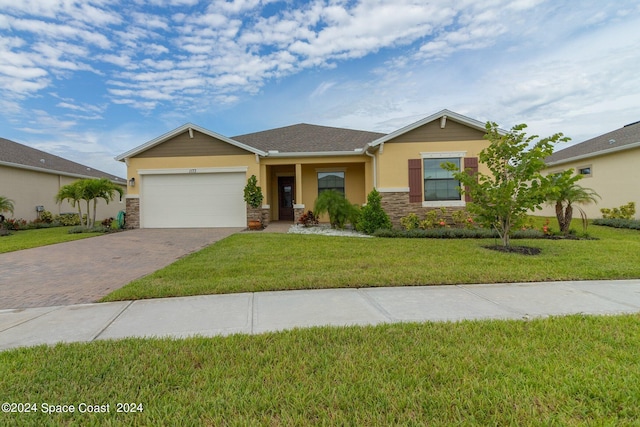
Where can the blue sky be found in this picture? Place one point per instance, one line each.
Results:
(88, 80)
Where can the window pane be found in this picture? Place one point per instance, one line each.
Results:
(585, 171)
(433, 169)
(439, 183)
(331, 181)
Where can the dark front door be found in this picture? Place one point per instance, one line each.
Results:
(285, 198)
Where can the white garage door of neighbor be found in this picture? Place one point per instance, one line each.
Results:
(193, 200)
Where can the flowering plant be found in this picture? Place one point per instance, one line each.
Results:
(308, 219)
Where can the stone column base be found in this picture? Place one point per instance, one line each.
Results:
(132, 209)
(262, 214)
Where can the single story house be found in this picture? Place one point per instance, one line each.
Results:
(32, 179)
(194, 177)
(609, 165)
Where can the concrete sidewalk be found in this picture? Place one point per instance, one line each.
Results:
(254, 313)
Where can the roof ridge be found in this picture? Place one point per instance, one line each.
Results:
(306, 124)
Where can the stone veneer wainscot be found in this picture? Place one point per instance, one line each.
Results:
(132, 218)
(397, 205)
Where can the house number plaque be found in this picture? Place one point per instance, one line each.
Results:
(192, 171)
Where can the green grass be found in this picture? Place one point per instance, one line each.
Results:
(26, 239)
(575, 370)
(251, 262)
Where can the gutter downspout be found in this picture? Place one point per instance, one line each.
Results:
(375, 170)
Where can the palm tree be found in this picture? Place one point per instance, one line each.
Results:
(6, 205)
(89, 190)
(564, 194)
(102, 188)
(73, 193)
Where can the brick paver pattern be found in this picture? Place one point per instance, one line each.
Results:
(85, 270)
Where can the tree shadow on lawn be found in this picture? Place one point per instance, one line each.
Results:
(522, 250)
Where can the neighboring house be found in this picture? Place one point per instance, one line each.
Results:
(32, 178)
(609, 164)
(193, 177)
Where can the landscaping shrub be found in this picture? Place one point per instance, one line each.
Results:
(627, 211)
(81, 229)
(340, 210)
(438, 218)
(457, 233)
(372, 216)
(15, 224)
(633, 224)
(67, 219)
(410, 222)
(462, 218)
(308, 219)
(33, 225)
(45, 217)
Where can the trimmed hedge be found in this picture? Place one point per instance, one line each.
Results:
(633, 224)
(456, 233)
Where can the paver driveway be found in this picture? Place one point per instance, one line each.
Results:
(85, 270)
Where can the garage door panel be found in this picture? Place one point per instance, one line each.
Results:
(193, 200)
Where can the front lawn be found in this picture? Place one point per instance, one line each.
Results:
(251, 262)
(26, 239)
(575, 370)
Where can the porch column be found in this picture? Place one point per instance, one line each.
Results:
(265, 183)
(298, 207)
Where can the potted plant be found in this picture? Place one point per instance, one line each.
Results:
(253, 197)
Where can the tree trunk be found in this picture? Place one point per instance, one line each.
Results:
(95, 205)
(80, 213)
(506, 228)
(88, 216)
(560, 216)
(568, 216)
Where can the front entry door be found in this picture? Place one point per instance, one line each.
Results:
(285, 198)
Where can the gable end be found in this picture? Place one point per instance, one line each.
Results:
(432, 131)
(183, 145)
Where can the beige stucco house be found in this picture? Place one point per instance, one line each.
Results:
(32, 178)
(609, 164)
(194, 177)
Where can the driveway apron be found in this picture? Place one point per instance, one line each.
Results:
(85, 270)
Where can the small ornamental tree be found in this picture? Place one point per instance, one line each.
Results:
(515, 184)
(253, 193)
(372, 216)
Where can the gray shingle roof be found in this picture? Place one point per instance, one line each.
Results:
(15, 153)
(615, 140)
(303, 137)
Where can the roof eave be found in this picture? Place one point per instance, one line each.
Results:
(594, 154)
(162, 138)
(359, 152)
(120, 181)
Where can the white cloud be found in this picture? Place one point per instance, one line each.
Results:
(509, 61)
(59, 31)
(321, 89)
(123, 61)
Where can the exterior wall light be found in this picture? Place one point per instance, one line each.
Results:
(132, 182)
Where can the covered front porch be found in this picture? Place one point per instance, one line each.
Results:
(291, 187)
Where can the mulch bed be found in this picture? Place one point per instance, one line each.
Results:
(522, 250)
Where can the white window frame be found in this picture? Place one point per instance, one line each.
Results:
(443, 155)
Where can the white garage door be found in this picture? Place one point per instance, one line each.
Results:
(193, 200)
